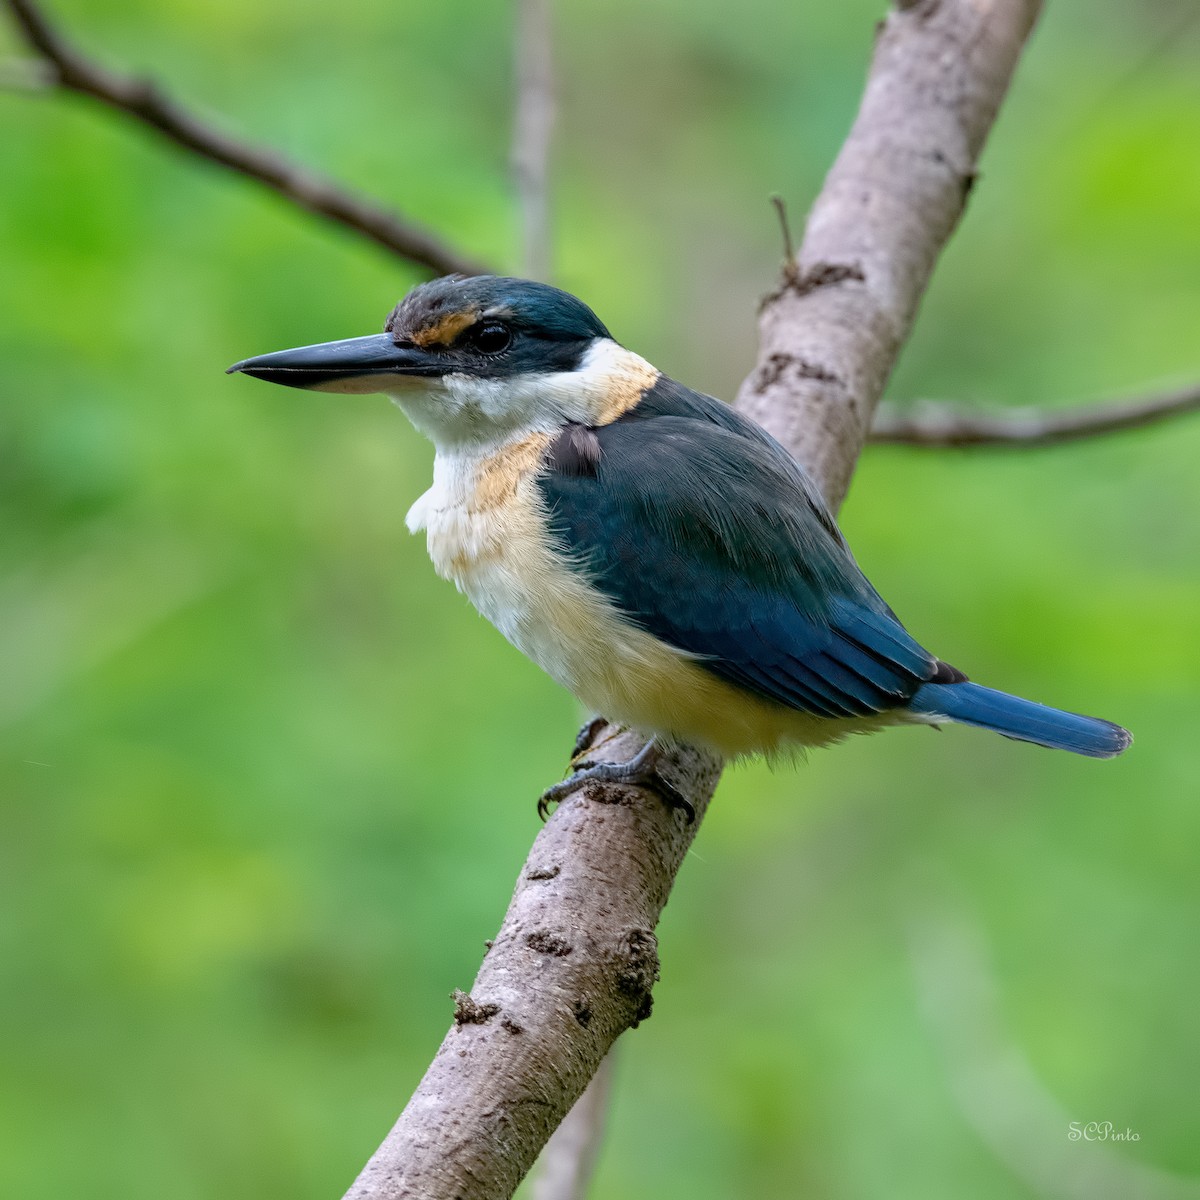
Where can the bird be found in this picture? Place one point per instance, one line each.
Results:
(657, 553)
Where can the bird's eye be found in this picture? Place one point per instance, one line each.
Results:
(491, 337)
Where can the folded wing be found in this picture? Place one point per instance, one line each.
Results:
(704, 532)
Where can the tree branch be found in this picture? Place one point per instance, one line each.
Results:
(933, 425)
(573, 963)
(142, 100)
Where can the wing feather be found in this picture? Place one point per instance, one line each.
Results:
(703, 531)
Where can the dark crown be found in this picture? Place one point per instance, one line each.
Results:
(438, 310)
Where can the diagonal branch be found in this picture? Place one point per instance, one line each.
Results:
(145, 102)
(575, 959)
(933, 425)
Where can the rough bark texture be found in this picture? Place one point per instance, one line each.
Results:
(575, 960)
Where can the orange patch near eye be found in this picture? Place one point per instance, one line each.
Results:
(443, 332)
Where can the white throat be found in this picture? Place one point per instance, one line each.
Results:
(466, 415)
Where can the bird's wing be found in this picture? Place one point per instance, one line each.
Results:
(710, 537)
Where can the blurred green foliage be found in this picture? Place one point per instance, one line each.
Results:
(266, 782)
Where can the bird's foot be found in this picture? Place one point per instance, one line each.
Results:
(641, 771)
(585, 740)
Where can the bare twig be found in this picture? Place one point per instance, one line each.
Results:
(573, 962)
(142, 100)
(791, 271)
(533, 127)
(566, 1165)
(933, 425)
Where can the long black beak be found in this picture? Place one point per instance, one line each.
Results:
(362, 364)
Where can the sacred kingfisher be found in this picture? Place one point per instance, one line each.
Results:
(655, 552)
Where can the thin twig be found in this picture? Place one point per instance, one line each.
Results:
(791, 269)
(566, 1165)
(27, 75)
(932, 425)
(145, 102)
(533, 128)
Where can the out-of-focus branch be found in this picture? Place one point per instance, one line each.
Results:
(565, 1167)
(145, 102)
(27, 75)
(574, 960)
(934, 425)
(533, 128)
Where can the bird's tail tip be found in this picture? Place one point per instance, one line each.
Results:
(1024, 720)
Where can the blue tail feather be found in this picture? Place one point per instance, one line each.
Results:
(971, 704)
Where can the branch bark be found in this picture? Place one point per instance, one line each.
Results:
(934, 425)
(575, 959)
(145, 102)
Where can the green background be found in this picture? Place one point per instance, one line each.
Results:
(265, 782)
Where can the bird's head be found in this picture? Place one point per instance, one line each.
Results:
(475, 361)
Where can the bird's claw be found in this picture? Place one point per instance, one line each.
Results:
(640, 771)
(588, 740)
(546, 799)
(585, 737)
